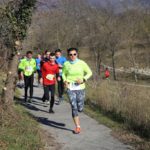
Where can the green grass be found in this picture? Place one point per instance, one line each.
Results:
(19, 131)
(20, 134)
(101, 118)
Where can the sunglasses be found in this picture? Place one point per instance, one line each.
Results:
(73, 54)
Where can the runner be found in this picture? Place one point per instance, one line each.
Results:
(49, 70)
(60, 61)
(107, 73)
(27, 67)
(38, 67)
(75, 73)
(45, 58)
(20, 83)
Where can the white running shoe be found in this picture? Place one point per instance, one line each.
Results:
(47, 102)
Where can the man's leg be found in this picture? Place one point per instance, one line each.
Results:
(52, 89)
(26, 81)
(39, 75)
(31, 85)
(62, 87)
(46, 92)
(59, 89)
(43, 98)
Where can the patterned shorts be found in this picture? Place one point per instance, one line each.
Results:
(76, 98)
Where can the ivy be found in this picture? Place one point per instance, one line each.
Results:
(14, 20)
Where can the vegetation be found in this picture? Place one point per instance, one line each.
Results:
(119, 129)
(14, 16)
(20, 133)
(125, 103)
(115, 39)
(17, 129)
(104, 36)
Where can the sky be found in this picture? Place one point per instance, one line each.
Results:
(116, 4)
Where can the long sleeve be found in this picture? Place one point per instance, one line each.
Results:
(34, 65)
(64, 72)
(87, 70)
(21, 65)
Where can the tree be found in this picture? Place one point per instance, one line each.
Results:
(16, 15)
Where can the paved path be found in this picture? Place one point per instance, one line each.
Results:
(94, 136)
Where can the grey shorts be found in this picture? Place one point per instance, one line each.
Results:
(76, 98)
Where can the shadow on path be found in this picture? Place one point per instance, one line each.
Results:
(42, 120)
(51, 123)
(28, 105)
(38, 98)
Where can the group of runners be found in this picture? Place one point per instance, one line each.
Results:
(52, 68)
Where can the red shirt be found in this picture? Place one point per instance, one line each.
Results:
(49, 72)
(107, 74)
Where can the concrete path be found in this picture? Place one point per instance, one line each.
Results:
(94, 136)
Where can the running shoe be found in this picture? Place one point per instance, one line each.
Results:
(47, 102)
(77, 130)
(30, 100)
(51, 111)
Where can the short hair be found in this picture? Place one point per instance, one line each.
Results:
(52, 54)
(58, 50)
(29, 52)
(72, 49)
(47, 52)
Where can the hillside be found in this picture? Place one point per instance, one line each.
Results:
(98, 30)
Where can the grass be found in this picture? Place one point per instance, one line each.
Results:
(123, 108)
(128, 103)
(19, 131)
(119, 129)
(95, 113)
(20, 134)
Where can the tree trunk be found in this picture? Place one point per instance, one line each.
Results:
(8, 91)
(113, 65)
(99, 62)
(133, 64)
(4, 63)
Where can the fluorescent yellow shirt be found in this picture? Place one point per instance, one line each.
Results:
(73, 71)
(27, 66)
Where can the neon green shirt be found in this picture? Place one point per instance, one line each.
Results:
(73, 71)
(27, 66)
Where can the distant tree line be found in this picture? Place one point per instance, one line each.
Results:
(102, 30)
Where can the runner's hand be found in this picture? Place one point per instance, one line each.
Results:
(21, 75)
(59, 79)
(79, 81)
(66, 84)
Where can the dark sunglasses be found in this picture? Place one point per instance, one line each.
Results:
(73, 54)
